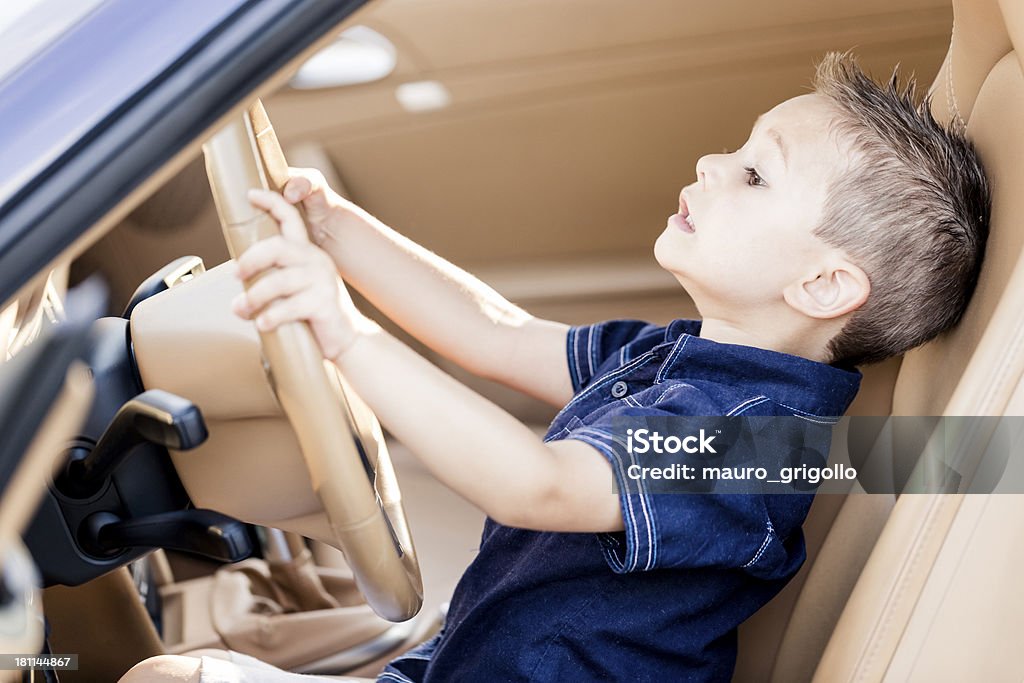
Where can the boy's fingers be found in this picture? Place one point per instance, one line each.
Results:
(274, 285)
(240, 306)
(272, 251)
(289, 309)
(287, 216)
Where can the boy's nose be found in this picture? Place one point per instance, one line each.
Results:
(704, 168)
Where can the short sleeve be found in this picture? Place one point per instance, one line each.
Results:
(588, 347)
(742, 531)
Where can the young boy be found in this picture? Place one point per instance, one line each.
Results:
(849, 228)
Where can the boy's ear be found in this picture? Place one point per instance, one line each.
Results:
(831, 292)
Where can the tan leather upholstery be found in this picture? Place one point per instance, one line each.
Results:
(275, 611)
(940, 597)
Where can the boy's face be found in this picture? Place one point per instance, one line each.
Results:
(753, 212)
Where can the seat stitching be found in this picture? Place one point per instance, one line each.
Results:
(899, 592)
(950, 92)
(1002, 370)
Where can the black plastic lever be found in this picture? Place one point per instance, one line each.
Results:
(203, 532)
(178, 270)
(154, 416)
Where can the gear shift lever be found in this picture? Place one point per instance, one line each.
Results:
(154, 416)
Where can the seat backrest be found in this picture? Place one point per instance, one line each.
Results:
(859, 608)
(939, 598)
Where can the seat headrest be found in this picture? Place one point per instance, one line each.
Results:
(972, 369)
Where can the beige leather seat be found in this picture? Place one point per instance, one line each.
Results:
(933, 580)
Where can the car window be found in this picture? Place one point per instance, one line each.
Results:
(27, 27)
(88, 72)
(124, 91)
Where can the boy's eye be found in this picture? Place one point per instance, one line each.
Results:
(754, 179)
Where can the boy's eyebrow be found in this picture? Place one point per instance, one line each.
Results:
(774, 135)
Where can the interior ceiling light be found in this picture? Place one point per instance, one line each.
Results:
(423, 95)
(359, 55)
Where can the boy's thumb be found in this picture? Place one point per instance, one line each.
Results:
(297, 189)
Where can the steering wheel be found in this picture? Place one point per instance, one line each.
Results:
(341, 440)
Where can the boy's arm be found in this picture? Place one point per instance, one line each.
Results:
(446, 308)
(476, 448)
(473, 446)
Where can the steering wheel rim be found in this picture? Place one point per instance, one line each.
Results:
(341, 440)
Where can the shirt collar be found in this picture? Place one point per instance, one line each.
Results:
(792, 381)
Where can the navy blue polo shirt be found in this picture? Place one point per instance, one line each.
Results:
(661, 600)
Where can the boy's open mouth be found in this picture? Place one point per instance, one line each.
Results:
(682, 220)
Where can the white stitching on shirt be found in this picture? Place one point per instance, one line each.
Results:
(590, 351)
(576, 355)
(669, 391)
(392, 676)
(601, 445)
(809, 416)
(764, 545)
(645, 506)
(644, 501)
(816, 421)
(747, 405)
(671, 357)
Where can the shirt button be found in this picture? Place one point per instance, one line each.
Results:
(620, 389)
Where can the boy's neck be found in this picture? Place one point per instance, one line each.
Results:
(797, 340)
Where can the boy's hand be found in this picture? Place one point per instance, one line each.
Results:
(308, 187)
(326, 210)
(297, 281)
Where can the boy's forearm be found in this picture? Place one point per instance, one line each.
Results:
(473, 446)
(448, 309)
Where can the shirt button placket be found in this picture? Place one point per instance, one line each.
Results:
(620, 389)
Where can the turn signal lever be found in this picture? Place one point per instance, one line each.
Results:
(153, 416)
(203, 532)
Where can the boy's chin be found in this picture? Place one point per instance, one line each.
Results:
(667, 255)
(662, 253)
